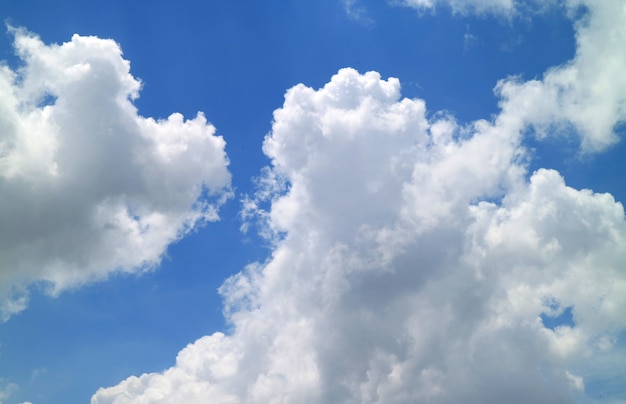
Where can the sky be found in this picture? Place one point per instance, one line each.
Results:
(348, 201)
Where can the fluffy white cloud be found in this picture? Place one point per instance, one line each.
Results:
(89, 186)
(414, 259)
(587, 94)
(395, 279)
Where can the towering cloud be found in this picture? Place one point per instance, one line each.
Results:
(416, 259)
(89, 186)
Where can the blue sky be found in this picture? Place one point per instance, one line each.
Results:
(235, 61)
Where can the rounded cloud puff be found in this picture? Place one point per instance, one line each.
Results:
(88, 185)
(413, 261)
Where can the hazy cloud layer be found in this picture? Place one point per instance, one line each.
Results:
(89, 186)
(414, 258)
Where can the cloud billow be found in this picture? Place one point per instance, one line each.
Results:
(89, 186)
(414, 258)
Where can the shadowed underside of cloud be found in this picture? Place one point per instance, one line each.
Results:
(414, 258)
(89, 186)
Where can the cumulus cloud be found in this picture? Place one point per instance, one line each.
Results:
(396, 277)
(587, 94)
(88, 185)
(413, 261)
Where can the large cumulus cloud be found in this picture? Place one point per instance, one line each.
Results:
(89, 186)
(395, 276)
(415, 259)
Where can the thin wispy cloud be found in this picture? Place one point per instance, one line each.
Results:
(504, 7)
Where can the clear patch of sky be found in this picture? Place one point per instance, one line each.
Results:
(607, 379)
(563, 318)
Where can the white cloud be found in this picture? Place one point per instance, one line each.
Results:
(357, 12)
(466, 6)
(588, 93)
(89, 186)
(6, 390)
(392, 281)
(576, 381)
(413, 258)
(469, 40)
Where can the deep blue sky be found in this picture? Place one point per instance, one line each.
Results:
(234, 61)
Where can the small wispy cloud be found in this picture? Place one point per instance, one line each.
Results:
(469, 39)
(357, 12)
